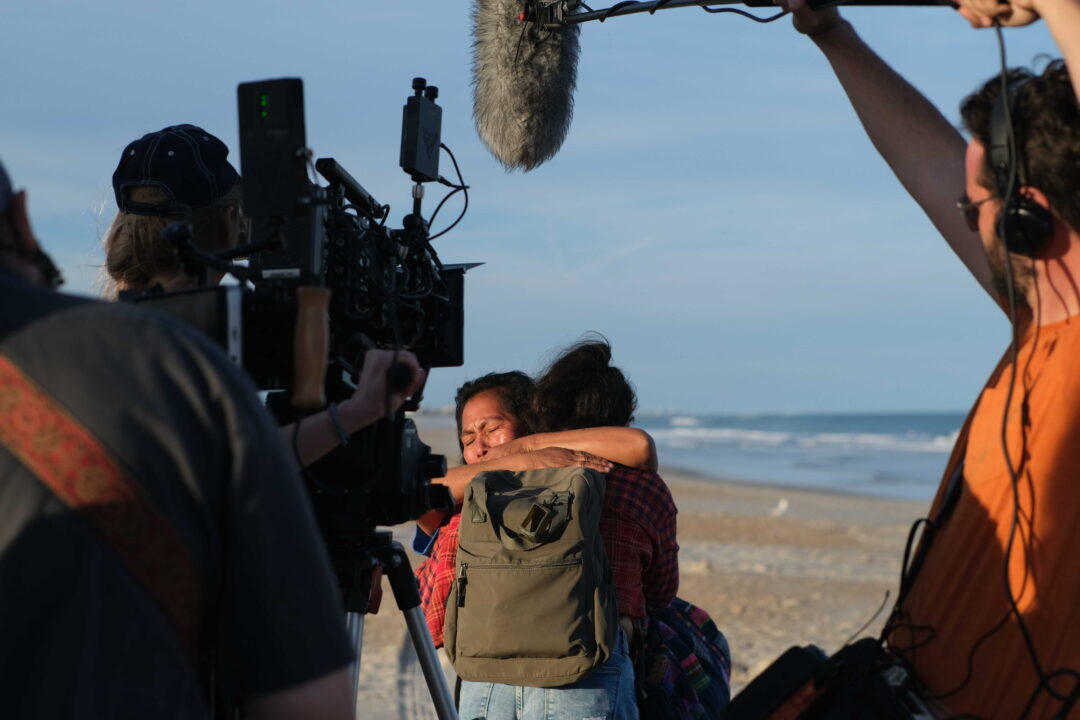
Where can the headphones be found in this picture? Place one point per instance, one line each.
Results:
(1024, 225)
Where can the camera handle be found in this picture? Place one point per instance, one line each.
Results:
(197, 263)
(380, 550)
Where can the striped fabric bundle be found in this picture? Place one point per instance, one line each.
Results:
(686, 668)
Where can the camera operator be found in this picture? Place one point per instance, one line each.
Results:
(153, 531)
(182, 172)
(985, 611)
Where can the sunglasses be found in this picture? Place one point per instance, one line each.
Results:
(971, 211)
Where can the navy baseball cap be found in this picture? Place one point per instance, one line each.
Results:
(189, 164)
(5, 189)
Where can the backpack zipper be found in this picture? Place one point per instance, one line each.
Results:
(463, 569)
(521, 566)
(462, 582)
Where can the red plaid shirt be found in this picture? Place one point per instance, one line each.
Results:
(638, 529)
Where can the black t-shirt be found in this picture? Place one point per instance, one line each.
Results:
(79, 635)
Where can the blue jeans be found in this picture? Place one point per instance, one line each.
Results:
(606, 693)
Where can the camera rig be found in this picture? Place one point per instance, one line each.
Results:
(325, 281)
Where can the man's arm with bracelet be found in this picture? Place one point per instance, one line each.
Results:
(320, 433)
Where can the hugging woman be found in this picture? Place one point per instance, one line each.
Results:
(584, 405)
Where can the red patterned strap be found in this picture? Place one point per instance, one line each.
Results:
(75, 466)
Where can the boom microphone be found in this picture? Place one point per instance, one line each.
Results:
(524, 73)
(525, 65)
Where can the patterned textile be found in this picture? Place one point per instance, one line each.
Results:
(638, 527)
(66, 457)
(435, 576)
(686, 665)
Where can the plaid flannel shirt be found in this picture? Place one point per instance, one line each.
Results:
(638, 528)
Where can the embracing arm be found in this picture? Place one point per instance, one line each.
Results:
(924, 151)
(624, 445)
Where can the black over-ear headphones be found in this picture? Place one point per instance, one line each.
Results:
(1025, 225)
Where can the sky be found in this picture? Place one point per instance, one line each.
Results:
(716, 211)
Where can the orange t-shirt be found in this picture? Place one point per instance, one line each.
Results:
(958, 614)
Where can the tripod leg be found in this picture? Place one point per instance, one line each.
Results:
(354, 625)
(407, 595)
(429, 663)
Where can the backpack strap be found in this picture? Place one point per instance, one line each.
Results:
(65, 457)
(948, 499)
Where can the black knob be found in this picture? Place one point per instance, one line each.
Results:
(438, 496)
(179, 232)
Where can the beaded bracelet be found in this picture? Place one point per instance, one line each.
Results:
(335, 420)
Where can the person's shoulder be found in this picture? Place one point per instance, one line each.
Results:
(624, 474)
(1067, 330)
(1061, 342)
(95, 313)
(35, 311)
(154, 331)
(641, 489)
(23, 304)
(131, 316)
(135, 336)
(1059, 348)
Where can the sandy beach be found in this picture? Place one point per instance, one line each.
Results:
(773, 566)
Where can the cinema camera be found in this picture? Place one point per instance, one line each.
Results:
(325, 281)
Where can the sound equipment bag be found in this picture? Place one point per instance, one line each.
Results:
(860, 682)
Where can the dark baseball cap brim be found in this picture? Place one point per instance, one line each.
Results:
(185, 162)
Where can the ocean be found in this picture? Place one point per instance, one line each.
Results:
(894, 455)
(891, 455)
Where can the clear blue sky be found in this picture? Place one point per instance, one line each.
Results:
(717, 211)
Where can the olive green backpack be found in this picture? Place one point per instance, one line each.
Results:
(532, 603)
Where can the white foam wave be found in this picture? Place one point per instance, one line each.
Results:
(690, 436)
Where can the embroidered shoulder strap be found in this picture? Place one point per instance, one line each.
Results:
(82, 473)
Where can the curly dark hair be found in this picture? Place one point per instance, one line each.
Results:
(581, 389)
(1046, 121)
(515, 388)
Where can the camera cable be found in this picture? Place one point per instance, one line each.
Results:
(460, 187)
(633, 6)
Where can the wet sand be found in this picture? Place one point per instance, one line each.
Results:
(773, 566)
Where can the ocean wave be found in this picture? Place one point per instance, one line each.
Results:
(691, 437)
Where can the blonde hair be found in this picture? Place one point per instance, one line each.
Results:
(135, 253)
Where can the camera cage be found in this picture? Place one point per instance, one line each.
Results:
(383, 288)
